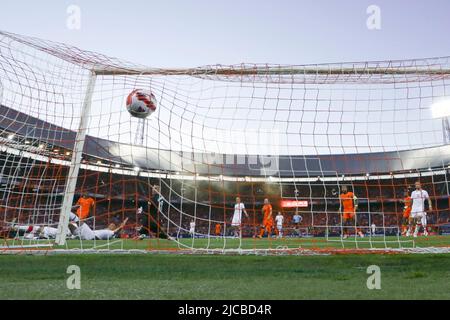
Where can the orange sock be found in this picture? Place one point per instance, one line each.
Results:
(261, 233)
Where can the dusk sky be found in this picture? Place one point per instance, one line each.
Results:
(198, 32)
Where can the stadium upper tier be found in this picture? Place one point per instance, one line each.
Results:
(126, 155)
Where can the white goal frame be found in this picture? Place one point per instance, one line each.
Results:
(75, 164)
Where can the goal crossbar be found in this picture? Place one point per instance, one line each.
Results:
(219, 70)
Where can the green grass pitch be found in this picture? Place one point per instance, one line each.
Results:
(225, 277)
(174, 276)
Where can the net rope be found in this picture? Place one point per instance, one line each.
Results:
(294, 134)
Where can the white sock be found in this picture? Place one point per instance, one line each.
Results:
(424, 221)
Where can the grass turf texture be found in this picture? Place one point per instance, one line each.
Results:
(225, 277)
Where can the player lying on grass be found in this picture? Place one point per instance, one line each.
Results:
(418, 216)
(349, 205)
(84, 232)
(37, 231)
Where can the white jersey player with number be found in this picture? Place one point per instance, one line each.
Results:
(236, 222)
(279, 221)
(418, 213)
(418, 198)
(239, 207)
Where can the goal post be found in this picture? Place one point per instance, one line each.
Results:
(75, 164)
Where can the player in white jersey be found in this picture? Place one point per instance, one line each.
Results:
(373, 229)
(22, 230)
(44, 232)
(192, 228)
(49, 232)
(418, 215)
(84, 232)
(279, 221)
(236, 223)
(39, 232)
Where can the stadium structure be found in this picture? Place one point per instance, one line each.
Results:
(292, 134)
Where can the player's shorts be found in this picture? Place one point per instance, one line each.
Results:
(415, 215)
(236, 222)
(279, 227)
(73, 217)
(406, 214)
(191, 230)
(348, 215)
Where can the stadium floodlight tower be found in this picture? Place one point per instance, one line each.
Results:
(140, 132)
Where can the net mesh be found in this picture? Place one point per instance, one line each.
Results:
(294, 135)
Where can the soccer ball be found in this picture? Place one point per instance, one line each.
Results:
(141, 104)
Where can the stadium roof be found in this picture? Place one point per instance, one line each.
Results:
(145, 158)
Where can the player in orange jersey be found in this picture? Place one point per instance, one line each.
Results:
(267, 219)
(218, 230)
(407, 201)
(349, 205)
(85, 206)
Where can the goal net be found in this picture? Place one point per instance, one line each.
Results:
(333, 148)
